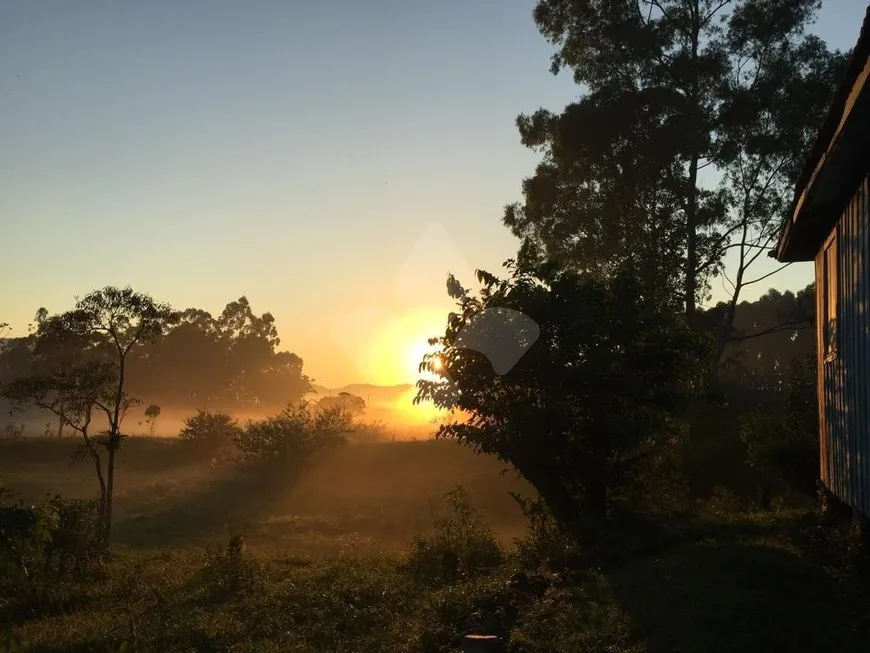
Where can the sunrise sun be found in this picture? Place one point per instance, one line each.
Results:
(396, 349)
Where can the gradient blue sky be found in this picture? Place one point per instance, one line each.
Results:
(295, 153)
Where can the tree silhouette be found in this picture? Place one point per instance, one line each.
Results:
(671, 88)
(151, 415)
(94, 341)
(229, 362)
(344, 401)
(599, 389)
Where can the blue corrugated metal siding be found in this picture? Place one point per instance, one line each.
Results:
(845, 387)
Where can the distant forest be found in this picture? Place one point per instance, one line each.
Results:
(234, 361)
(231, 362)
(770, 335)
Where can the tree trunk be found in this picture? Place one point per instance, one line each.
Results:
(110, 489)
(722, 338)
(559, 502)
(98, 468)
(692, 240)
(691, 286)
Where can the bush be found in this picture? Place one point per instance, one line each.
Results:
(658, 484)
(56, 539)
(12, 431)
(211, 430)
(230, 571)
(785, 444)
(287, 441)
(546, 545)
(369, 432)
(461, 547)
(77, 543)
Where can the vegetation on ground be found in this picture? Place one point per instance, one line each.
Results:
(658, 458)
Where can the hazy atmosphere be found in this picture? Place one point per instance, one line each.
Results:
(519, 326)
(297, 154)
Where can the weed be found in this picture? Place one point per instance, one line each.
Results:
(462, 545)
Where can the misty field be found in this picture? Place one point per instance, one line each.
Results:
(367, 498)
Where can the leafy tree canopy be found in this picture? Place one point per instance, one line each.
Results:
(602, 384)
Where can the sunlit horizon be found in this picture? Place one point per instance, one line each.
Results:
(198, 173)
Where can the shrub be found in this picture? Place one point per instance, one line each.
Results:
(25, 533)
(462, 545)
(658, 483)
(210, 429)
(785, 443)
(77, 543)
(44, 542)
(368, 432)
(230, 571)
(545, 545)
(12, 431)
(288, 440)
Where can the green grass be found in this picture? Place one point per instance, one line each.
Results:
(716, 579)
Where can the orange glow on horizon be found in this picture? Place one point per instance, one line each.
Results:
(395, 351)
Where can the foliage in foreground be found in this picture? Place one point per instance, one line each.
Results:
(462, 545)
(604, 370)
(47, 543)
(781, 576)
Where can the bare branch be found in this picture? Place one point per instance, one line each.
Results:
(725, 278)
(769, 274)
(657, 5)
(795, 325)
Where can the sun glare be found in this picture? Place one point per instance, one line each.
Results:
(416, 351)
(397, 350)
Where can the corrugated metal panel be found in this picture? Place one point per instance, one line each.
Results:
(844, 389)
(822, 385)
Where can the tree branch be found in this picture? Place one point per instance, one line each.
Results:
(796, 325)
(769, 274)
(715, 11)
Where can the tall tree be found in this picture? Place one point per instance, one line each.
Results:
(74, 395)
(604, 373)
(231, 361)
(685, 141)
(102, 330)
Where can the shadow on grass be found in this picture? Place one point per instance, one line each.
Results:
(234, 498)
(638, 537)
(721, 595)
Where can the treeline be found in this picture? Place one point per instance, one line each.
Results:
(232, 361)
(754, 432)
(769, 335)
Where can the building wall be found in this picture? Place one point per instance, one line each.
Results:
(843, 327)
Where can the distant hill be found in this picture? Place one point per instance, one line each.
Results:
(373, 394)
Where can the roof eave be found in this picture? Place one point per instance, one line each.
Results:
(789, 249)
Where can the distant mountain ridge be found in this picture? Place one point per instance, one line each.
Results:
(372, 393)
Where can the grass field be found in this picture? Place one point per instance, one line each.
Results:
(327, 567)
(372, 497)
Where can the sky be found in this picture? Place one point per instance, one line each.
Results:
(329, 160)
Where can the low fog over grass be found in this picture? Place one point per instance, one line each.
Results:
(365, 498)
